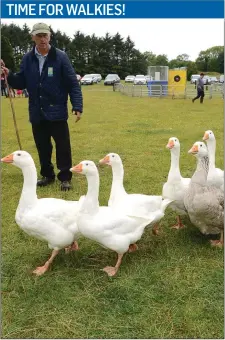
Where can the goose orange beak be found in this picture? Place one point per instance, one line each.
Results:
(77, 168)
(7, 159)
(170, 145)
(104, 160)
(194, 149)
(206, 136)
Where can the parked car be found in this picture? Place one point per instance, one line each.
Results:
(140, 80)
(88, 79)
(194, 78)
(97, 76)
(207, 80)
(129, 79)
(222, 78)
(214, 80)
(111, 79)
(148, 78)
(78, 77)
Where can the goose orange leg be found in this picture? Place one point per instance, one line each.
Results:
(111, 271)
(132, 247)
(218, 243)
(41, 270)
(73, 247)
(155, 229)
(179, 224)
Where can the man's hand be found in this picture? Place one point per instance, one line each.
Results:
(4, 69)
(78, 114)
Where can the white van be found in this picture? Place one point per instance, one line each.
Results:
(194, 78)
(222, 78)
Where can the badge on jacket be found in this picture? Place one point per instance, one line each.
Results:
(50, 71)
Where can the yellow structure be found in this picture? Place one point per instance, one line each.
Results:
(177, 80)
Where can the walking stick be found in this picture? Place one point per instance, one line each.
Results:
(13, 112)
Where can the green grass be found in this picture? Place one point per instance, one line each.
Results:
(172, 287)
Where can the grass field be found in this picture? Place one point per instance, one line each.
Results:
(172, 287)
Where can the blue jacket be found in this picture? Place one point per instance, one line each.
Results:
(48, 92)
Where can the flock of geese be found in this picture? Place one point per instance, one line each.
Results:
(121, 224)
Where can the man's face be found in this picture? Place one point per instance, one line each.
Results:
(201, 76)
(41, 40)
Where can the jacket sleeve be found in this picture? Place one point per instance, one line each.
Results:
(17, 80)
(70, 79)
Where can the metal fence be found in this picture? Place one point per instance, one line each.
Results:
(165, 91)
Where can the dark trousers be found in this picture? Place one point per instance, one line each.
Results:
(3, 91)
(59, 131)
(201, 95)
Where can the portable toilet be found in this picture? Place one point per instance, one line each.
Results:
(158, 84)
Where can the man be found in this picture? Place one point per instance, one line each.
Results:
(200, 89)
(49, 77)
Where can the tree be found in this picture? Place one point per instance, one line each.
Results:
(221, 62)
(209, 59)
(175, 63)
(183, 57)
(191, 69)
(162, 60)
(150, 58)
(7, 53)
(126, 56)
(105, 54)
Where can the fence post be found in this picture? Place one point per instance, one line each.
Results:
(185, 92)
(210, 92)
(160, 95)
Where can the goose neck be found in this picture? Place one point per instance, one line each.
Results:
(174, 172)
(91, 203)
(29, 195)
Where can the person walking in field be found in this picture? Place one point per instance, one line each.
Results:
(200, 89)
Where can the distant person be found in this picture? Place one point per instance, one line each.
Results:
(19, 93)
(25, 93)
(49, 77)
(3, 86)
(200, 89)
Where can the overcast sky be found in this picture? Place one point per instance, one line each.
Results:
(161, 36)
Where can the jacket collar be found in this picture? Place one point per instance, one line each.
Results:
(51, 53)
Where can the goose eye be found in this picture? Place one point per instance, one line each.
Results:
(113, 155)
(87, 164)
(19, 154)
(175, 140)
(201, 145)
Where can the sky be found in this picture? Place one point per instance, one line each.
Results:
(161, 36)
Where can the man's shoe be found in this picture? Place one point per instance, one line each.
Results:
(45, 181)
(65, 186)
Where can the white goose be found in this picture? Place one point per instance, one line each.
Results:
(130, 204)
(48, 219)
(176, 185)
(215, 175)
(115, 231)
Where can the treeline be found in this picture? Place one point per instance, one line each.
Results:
(107, 54)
